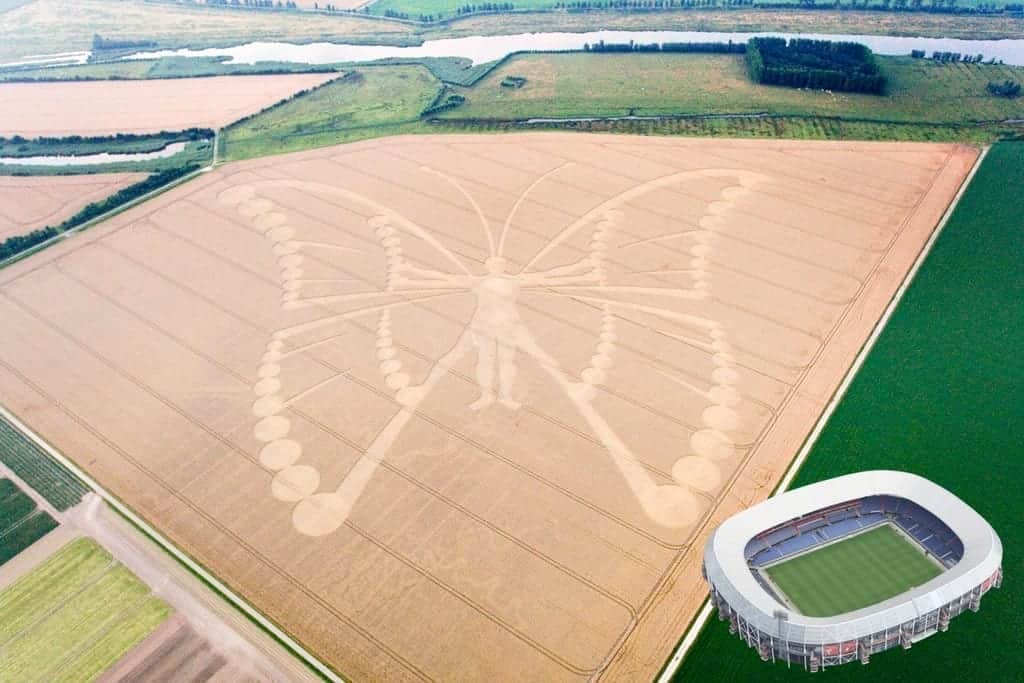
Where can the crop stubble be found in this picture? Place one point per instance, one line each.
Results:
(649, 374)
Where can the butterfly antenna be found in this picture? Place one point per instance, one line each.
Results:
(484, 225)
(522, 198)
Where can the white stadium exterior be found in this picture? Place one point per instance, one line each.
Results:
(946, 528)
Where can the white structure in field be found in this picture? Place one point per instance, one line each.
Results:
(944, 526)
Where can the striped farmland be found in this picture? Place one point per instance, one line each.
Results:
(27, 460)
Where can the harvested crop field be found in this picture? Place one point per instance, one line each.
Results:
(108, 107)
(28, 203)
(466, 407)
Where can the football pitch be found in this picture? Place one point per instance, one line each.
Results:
(853, 573)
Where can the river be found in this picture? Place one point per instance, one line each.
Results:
(92, 159)
(482, 49)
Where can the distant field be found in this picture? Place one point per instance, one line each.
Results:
(448, 8)
(375, 101)
(854, 573)
(101, 108)
(165, 67)
(21, 522)
(73, 616)
(579, 84)
(128, 69)
(50, 26)
(938, 396)
(786, 21)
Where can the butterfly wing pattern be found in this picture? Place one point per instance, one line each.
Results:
(585, 263)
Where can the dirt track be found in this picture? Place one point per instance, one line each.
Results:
(435, 450)
(29, 203)
(108, 107)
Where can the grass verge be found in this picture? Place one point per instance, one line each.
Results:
(369, 102)
(939, 396)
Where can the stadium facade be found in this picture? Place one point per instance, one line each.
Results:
(945, 529)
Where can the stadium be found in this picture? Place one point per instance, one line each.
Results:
(845, 568)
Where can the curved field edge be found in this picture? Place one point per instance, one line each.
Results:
(937, 396)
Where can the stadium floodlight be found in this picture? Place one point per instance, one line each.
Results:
(842, 569)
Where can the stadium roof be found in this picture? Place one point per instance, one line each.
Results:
(728, 571)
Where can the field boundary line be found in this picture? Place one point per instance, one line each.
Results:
(698, 623)
(240, 603)
(109, 214)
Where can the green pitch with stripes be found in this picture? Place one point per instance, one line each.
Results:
(851, 574)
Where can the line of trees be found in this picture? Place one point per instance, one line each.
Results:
(954, 57)
(817, 64)
(945, 57)
(445, 99)
(648, 5)
(485, 7)
(189, 134)
(101, 43)
(1008, 89)
(255, 4)
(729, 47)
(19, 243)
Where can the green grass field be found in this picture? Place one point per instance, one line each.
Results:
(375, 101)
(859, 571)
(73, 616)
(940, 396)
(388, 99)
(651, 84)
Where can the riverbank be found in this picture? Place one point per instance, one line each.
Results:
(61, 26)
